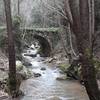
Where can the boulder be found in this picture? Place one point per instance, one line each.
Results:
(31, 55)
(61, 77)
(26, 73)
(43, 68)
(23, 71)
(37, 74)
(26, 61)
(19, 65)
(27, 64)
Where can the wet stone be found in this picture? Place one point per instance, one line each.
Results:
(43, 68)
(37, 74)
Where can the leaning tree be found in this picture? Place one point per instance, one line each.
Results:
(81, 18)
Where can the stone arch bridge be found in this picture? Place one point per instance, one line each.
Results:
(47, 37)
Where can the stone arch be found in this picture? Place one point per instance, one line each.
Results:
(45, 45)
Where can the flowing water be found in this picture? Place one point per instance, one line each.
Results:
(46, 87)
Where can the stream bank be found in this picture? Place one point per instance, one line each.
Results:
(46, 86)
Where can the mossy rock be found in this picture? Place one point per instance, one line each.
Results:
(23, 71)
(62, 77)
(26, 73)
(64, 66)
(19, 65)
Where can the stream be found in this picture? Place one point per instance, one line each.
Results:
(46, 87)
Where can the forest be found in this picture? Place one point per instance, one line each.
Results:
(49, 49)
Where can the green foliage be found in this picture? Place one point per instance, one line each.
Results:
(64, 67)
(76, 70)
(52, 29)
(97, 65)
(17, 37)
(16, 22)
(40, 50)
(88, 52)
(19, 65)
(11, 84)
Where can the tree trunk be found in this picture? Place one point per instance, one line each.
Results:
(83, 23)
(18, 7)
(11, 49)
(89, 78)
(88, 71)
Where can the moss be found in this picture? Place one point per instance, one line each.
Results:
(52, 29)
(40, 50)
(12, 86)
(29, 73)
(88, 52)
(97, 64)
(16, 21)
(19, 65)
(12, 82)
(64, 66)
(46, 29)
(17, 37)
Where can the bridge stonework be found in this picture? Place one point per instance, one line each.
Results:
(45, 35)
